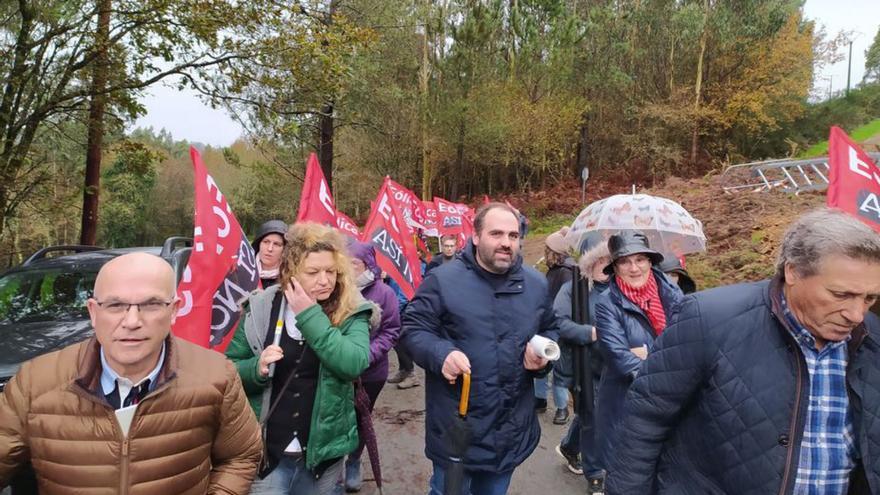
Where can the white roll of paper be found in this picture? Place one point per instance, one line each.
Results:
(545, 347)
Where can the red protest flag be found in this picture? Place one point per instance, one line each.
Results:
(421, 246)
(454, 219)
(315, 202)
(221, 271)
(387, 231)
(410, 204)
(853, 180)
(449, 218)
(347, 225)
(431, 218)
(467, 223)
(467, 227)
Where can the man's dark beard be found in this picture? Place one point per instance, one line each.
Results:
(490, 261)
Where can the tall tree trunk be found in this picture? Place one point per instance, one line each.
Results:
(695, 137)
(326, 121)
(325, 147)
(12, 153)
(511, 46)
(672, 67)
(459, 162)
(89, 229)
(424, 73)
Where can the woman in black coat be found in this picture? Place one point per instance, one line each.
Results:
(630, 314)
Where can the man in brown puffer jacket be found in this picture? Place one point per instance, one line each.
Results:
(191, 429)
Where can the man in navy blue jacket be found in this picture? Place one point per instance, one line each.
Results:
(476, 314)
(770, 387)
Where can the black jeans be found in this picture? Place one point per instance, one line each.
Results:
(581, 437)
(404, 360)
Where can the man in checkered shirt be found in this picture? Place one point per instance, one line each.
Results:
(769, 387)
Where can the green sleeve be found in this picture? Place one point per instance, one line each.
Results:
(240, 353)
(345, 350)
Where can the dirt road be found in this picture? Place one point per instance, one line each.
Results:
(399, 419)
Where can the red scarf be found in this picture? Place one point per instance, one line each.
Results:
(646, 297)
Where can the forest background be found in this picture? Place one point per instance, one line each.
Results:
(454, 98)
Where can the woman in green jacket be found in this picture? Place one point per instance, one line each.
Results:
(298, 348)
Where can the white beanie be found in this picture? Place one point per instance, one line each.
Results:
(556, 241)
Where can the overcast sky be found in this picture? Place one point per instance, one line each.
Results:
(186, 117)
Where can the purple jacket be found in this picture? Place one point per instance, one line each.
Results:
(383, 339)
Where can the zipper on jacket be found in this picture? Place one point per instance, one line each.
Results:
(123, 468)
(786, 476)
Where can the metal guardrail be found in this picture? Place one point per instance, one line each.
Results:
(791, 176)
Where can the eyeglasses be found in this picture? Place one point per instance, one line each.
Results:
(639, 261)
(146, 307)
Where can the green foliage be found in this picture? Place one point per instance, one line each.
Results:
(128, 184)
(264, 195)
(858, 134)
(548, 224)
(861, 107)
(872, 60)
(463, 97)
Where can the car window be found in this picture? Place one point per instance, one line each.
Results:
(45, 294)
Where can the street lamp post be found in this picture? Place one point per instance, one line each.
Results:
(848, 68)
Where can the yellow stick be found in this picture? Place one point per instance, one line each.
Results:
(465, 395)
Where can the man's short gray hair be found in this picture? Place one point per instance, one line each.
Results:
(826, 232)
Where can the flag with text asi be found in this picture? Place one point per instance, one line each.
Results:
(454, 219)
(316, 203)
(853, 180)
(221, 271)
(386, 229)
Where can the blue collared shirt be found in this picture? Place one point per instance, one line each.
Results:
(109, 377)
(828, 450)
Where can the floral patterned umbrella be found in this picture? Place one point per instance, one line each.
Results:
(668, 226)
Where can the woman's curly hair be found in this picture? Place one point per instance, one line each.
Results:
(305, 238)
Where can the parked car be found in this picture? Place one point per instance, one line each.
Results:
(43, 301)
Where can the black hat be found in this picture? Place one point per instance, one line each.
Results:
(628, 242)
(671, 264)
(270, 227)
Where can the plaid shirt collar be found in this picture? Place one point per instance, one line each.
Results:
(827, 449)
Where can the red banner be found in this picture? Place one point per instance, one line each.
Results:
(430, 212)
(410, 204)
(316, 203)
(387, 231)
(221, 271)
(347, 225)
(854, 180)
(454, 219)
(467, 229)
